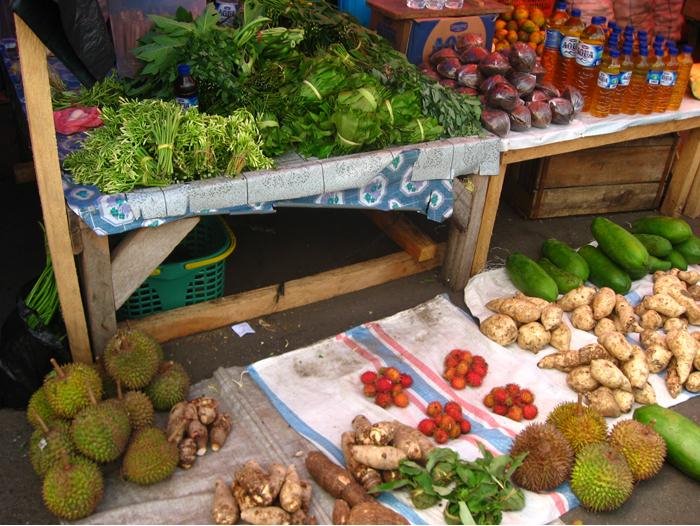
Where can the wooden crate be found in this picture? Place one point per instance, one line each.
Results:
(617, 178)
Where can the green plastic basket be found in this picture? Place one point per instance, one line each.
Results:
(193, 273)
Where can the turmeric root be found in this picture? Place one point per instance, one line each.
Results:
(334, 479)
(265, 515)
(374, 513)
(207, 409)
(341, 512)
(225, 508)
(219, 431)
(365, 475)
(378, 457)
(290, 496)
(188, 452)
(198, 431)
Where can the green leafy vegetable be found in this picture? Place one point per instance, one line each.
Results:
(106, 92)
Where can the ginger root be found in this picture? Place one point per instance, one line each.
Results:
(225, 508)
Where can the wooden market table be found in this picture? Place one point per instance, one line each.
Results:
(90, 297)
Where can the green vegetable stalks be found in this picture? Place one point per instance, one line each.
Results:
(476, 492)
(42, 300)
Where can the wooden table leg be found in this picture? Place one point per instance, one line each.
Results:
(37, 94)
(684, 170)
(692, 204)
(96, 271)
(488, 218)
(464, 229)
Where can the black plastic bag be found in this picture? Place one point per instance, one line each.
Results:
(25, 356)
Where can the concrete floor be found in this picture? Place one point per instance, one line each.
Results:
(280, 247)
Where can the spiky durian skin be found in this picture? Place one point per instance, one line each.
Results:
(579, 424)
(68, 395)
(140, 409)
(643, 448)
(601, 478)
(39, 406)
(73, 492)
(101, 432)
(549, 457)
(150, 458)
(169, 386)
(46, 450)
(132, 358)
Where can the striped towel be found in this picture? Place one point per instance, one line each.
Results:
(318, 392)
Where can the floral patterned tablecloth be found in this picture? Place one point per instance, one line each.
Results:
(413, 178)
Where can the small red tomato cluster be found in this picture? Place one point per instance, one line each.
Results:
(444, 423)
(386, 386)
(463, 369)
(512, 401)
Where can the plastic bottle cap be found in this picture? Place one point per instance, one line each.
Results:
(627, 48)
(183, 69)
(561, 6)
(612, 24)
(576, 12)
(598, 20)
(687, 48)
(673, 51)
(644, 51)
(614, 53)
(641, 33)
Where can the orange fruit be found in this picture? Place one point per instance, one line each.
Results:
(533, 45)
(528, 26)
(536, 37)
(504, 46)
(512, 25)
(508, 13)
(537, 16)
(501, 34)
(523, 36)
(540, 49)
(499, 24)
(521, 13)
(512, 37)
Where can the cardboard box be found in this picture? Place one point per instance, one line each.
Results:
(420, 32)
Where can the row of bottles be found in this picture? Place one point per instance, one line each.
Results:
(616, 70)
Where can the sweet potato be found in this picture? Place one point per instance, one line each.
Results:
(551, 316)
(224, 508)
(663, 282)
(575, 298)
(603, 303)
(673, 381)
(691, 277)
(692, 384)
(624, 400)
(675, 324)
(378, 457)
(657, 357)
(540, 303)
(265, 515)
(604, 325)
(692, 310)
(520, 310)
(582, 318)
(495, 304)
(560, 337)
(636, 368)
(580, 380)
(368, 477)
(664, 305)
(608, 375)
(603, 401)
(568, 360)
(617, 345)
(649, 337)
(646, 395)
(694, 292)
(625, 315)
(500, 328)
(533, 337)
(684, 348)
(374, 513)
(651, 320)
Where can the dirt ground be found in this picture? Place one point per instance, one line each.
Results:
(272, 249)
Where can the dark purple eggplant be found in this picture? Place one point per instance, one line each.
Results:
(448, 83)
(549, 90)
(522, 57)
(442, 54)
(539, 71)
(490, 82)
(448, 67)
(503, 96)
(523, 82)
(469, 76)
(520, 119)
(540, 114)
(467, 91)
(469, 40)
(495, 121)
(562, 110)
(494, 64)
(575, 97)
(473, 55)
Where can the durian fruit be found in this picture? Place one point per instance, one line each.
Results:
(643, 448)
(73, 488)
(47, 446)
(101, 431)
(138, 406)
(150, 457)
(39, 410)
(549, 457)
(132, 357)
(601, 478)
(170, 386)
(581, 425)
(109, 386)
(67, 387)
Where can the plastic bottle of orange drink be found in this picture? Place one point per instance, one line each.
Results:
(634, 93)
(669, 77)
(623, 83)
(570, 33)
(685, 63)
(608, 77)
(552, 40)
(651, 91)
(589, 53)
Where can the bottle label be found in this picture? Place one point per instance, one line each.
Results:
(588, 55)
(188, 102)
(668, 78)
(568, 47)
(654, 77)
(607, 80)
(625, 78)
(552, 38)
